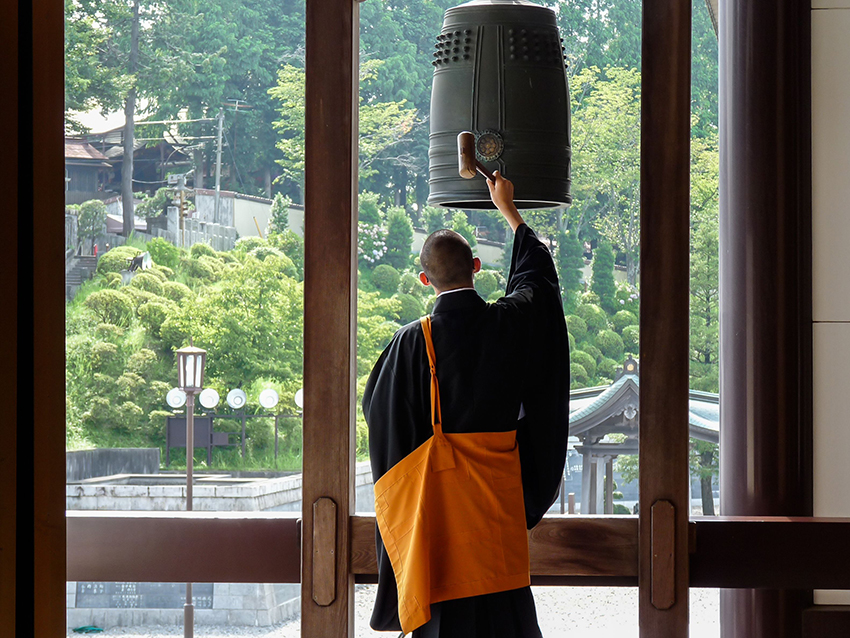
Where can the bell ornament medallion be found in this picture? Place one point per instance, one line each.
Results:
(499, 73)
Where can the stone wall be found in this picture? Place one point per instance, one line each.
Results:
(84, 464)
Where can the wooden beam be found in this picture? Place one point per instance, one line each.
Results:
(179, 547)
(730, 552)
(664, 264)
(330, 296)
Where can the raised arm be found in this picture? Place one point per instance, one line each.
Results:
(502, 194)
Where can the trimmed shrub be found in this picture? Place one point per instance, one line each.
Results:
(611, 345)
(104, 357)
(175, 291)
(410, 285)
(109, 332)
(486, 283)
(202, 249)
(199, 268)
(111, 306)
(368, 208)
(602, 280)
(608, 368)
(578, 374)
(585, 361)
(593, 316)
(622, 319)
(147, 282)
(433, 218)
(495, 295)
(411, 308)
(163, 252)
(142, 362)
(386, 278)
(116, 259)
(576, 326)
(460, 224)
(247, 244)
(572, 342)
(631, 339)
(152, 315)
(158, 272)
(592, 350)
(138, 296)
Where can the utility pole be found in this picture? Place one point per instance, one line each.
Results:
(217, 215)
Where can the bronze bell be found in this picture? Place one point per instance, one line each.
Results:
(499, 73)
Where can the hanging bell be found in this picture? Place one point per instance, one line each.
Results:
(499, 73)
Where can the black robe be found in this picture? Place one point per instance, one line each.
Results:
(495, 363)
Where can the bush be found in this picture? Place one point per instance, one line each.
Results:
(572, 341)
(202, 249)
(586, 362)
(410, 285)
(109, 332)
(138, 296)
(175, 291)
(578, 374)
(279, 220)
(593, 316)
(411, 308)
(199, 268)
(592, 350)
(292, 246)
(116, 259)
(111, 306)
(619, 508)
(104, 357)
(159, 272)
(247, 244)
(602, 280)
(622, 319)
(495, 295)
(152, 315)
(147, 282)
(608, 368)
(631, 339)
(142, 362)
(91, 219)
(163, 252)
(486, 283)
(368, 208)
(611, 345)
(460, 224)
(576, 326)
(386, 278)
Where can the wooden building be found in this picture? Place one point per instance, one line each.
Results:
(780, 551)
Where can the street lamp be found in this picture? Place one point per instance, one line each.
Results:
(190, 379)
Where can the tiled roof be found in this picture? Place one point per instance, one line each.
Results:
(78, 149)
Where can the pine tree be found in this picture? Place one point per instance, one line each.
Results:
(602, 282)
(570, 262)
(279, 221)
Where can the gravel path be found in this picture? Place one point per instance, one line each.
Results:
(571, 612)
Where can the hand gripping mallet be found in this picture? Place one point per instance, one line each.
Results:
(467, 163)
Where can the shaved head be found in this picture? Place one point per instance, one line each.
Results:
(447, 260)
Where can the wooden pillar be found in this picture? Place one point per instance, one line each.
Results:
(586, 472)
(593, 496)
(609, 486)
(665, 228)
(32, 463)
(330, 316)
(765, 285)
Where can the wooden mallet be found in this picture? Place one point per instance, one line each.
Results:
(467, 163)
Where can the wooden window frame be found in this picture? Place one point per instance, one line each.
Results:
(586, 550)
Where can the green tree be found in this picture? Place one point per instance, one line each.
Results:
(399, 238)
(570, 261)
(460, 224)
(91, 220)
(602, 281)
(382, 124)
(279, 220)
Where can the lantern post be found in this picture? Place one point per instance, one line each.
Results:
(190, 379)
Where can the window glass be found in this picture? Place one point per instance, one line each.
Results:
(184, 227)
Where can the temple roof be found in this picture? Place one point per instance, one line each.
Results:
(597, 411)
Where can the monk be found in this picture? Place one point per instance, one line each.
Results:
(460, 477)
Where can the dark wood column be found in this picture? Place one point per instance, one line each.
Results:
(330, 316)
(664, 259)
(765, 284)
